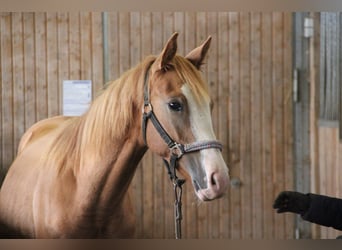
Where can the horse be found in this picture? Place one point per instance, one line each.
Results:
(71, 176)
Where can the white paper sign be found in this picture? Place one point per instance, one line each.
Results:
(76, 97)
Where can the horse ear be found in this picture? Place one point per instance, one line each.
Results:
(168, 52)
(197, 56)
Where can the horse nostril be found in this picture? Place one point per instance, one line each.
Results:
(213, 179)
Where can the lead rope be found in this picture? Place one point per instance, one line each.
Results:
(178, 207)
(178, 191)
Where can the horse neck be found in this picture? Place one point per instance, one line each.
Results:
(113, 174)
(107, 166)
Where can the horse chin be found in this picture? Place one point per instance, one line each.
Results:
(206, 195)
(202, 196)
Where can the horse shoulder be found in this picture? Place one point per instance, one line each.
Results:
(40, 129)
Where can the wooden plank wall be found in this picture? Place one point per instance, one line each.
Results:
(249, 74)
(38, 51)
(330, 172)
(326, 148)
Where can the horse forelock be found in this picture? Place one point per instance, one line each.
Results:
(191, 76)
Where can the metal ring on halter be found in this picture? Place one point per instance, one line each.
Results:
(177, 150)
(144, 109)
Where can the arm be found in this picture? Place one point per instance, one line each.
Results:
(318, 209)
(325, 211)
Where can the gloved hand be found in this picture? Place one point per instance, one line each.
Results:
(289, 201)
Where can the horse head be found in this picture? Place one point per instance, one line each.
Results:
(181, 102)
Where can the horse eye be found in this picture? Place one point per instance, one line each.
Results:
(175, 106)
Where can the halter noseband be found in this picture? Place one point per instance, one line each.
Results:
(177, 150)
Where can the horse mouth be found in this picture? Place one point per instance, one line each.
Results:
(201, 193)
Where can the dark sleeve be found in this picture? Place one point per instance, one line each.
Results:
(325, 211)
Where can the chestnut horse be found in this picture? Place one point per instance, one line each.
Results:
(71, 176)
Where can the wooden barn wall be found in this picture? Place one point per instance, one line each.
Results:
(249, 73)
(326, 148)
(37, 52)
(329, 172)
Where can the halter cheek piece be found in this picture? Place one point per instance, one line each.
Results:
(177, 150)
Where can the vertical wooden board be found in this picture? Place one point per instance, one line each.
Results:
(149, 207)
(288, 118)
(137, 184)
(137, 34)
(179, 24)
(325, 173)
(7, 91)
(157, 169)
(245, 117)
(146, 28)
(223, 110)
(330, 168)
(161, 201)
(96, 52)
(147, 171)
(113, 43)
(234, 124)
(168, 30)
(200, 35)
(41, 66)
(315, 75)
(321, 174)
(124, 46)
(256, 126)
(29, 70)
(52, 64)
(212, 62)
(148, 194)
(223, 84)
(85, 42)
(201, 27)
(74, 46)
(18, 79)
(267, 119)
(157, 30)
(277, 130)
(135, 37)
(151, 166)
(63, 53)
(191, 209)
(334, 146)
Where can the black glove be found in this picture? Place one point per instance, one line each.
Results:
(288, 201)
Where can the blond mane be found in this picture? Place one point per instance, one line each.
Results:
(111, 115)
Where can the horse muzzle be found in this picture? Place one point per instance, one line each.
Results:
(216, 187)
